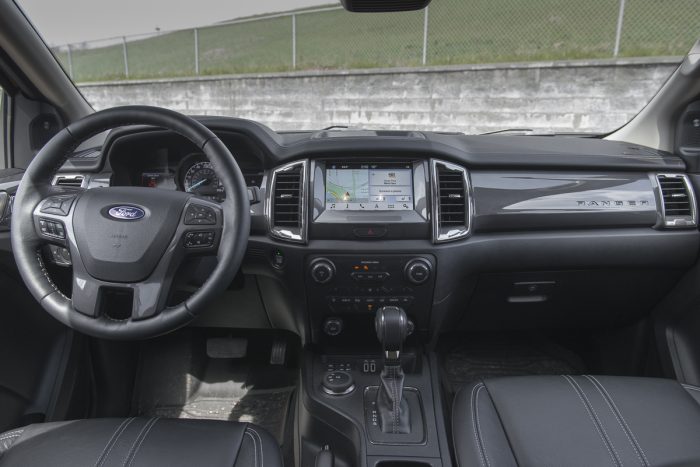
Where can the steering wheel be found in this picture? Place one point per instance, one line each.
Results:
(127, 239)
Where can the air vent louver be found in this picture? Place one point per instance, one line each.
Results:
(287, 202)
(451, 203)
(74, 181)
(678, 204)
(287, 198)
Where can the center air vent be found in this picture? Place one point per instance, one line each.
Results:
(73, 181)
(677, 200)
(451, 205)
(286, 203)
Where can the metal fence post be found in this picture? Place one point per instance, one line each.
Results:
(425, 36)
(196, 51)
(126, 57)
(70, 62)
(294, 42)
(618, 33)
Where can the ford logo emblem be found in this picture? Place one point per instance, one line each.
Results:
(127, 213)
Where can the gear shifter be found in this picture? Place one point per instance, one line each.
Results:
(391, 325)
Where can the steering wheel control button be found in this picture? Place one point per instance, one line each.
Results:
(60, 256)
(58, 205)
(338, 383)
(52, 228)
(417, 271)
(322, 271)
(200, 215)
(202, 239)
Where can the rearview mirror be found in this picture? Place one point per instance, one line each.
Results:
(383, 6)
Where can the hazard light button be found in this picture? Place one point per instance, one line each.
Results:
(369, 232)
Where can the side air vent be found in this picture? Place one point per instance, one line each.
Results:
(451, 202)
(72, 181)
(286, 204)
(677, 200)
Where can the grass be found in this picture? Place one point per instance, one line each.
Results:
(459, 32)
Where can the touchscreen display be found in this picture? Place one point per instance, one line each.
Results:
(369, 187)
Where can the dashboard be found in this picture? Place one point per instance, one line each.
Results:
(464, 232)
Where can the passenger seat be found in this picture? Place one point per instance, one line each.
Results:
(535, 421)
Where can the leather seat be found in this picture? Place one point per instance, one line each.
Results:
(577, 421)
(139, 442)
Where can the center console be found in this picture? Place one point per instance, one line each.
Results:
(370, 392)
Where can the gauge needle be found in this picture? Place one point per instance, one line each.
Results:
(196, 185)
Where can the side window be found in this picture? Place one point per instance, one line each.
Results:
(3, 163)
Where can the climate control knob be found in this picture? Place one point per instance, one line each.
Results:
(417, 271)
(322, 270)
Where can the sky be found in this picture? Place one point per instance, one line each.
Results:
(68, 21)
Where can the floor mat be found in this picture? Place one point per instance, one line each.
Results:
(177, 379)
(471, 359)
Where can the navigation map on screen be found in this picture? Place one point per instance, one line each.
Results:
(370, 187)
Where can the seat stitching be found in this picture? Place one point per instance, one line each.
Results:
(255, 447)
(692, 388)
(11, 434)
(138, 437)
(145, 435)
(620, 419)
(114, 433)
(397, 403)
(598, 419)
(477, 435)
(105, 455)
(590, 415)
(262, 454)
(478, 423)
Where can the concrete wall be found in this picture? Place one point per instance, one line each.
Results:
(560, 96)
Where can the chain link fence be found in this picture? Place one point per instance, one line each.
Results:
(449, 32)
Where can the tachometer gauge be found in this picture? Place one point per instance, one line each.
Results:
(201, 179)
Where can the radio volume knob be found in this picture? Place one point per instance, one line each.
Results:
(417, 271)
(322, 270)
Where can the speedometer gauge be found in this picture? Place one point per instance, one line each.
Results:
(201, 179)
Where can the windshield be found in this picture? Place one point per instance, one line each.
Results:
(470, 66)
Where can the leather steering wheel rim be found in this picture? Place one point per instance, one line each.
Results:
(36, 186)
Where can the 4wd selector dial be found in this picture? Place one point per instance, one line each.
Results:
(417, 271)
(322, 270)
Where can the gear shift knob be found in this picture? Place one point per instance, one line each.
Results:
(391, 325)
